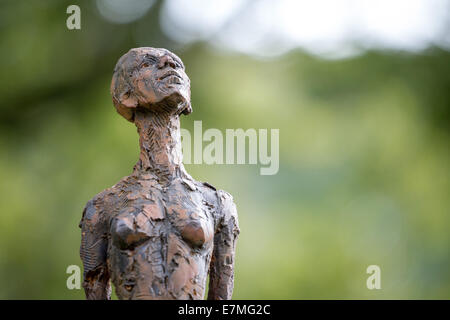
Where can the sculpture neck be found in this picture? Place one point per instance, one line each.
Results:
(160, 144)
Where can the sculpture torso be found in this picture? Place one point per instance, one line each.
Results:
(158, 240)
(161, 239)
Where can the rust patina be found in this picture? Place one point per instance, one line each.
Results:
(157, 233)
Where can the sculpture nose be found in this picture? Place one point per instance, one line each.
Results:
(166, 60)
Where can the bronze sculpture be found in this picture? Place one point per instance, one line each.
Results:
(157, 233)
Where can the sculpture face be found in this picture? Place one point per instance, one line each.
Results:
(150, 78)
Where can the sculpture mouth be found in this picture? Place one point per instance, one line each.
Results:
(171, 74)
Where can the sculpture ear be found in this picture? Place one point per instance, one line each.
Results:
(122, 94)
(126, 104)
(128, 99)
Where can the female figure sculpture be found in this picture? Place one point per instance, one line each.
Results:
(157, 233)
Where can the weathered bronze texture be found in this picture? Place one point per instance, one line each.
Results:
(157, 233)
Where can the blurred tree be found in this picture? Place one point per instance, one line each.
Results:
(364, 174)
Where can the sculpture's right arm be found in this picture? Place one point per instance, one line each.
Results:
(93, 252)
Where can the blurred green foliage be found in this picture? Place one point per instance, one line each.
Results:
(364, 157)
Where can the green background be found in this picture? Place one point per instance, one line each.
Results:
(364, 157)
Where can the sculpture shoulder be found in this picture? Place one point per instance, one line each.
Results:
(103, 205)
(94, 213)
(226, 211)
(227, 207)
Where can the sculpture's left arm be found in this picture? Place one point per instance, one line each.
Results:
(221, 274)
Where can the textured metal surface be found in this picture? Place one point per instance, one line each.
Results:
(157, 233)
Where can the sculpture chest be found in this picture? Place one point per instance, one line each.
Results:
(147, 210)
(165, 234)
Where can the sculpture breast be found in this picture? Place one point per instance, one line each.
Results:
(196, 233)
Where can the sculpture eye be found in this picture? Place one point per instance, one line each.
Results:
(148, 61)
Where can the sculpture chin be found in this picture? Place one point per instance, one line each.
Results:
(176, 98)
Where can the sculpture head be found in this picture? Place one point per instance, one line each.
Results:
(153, 79)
